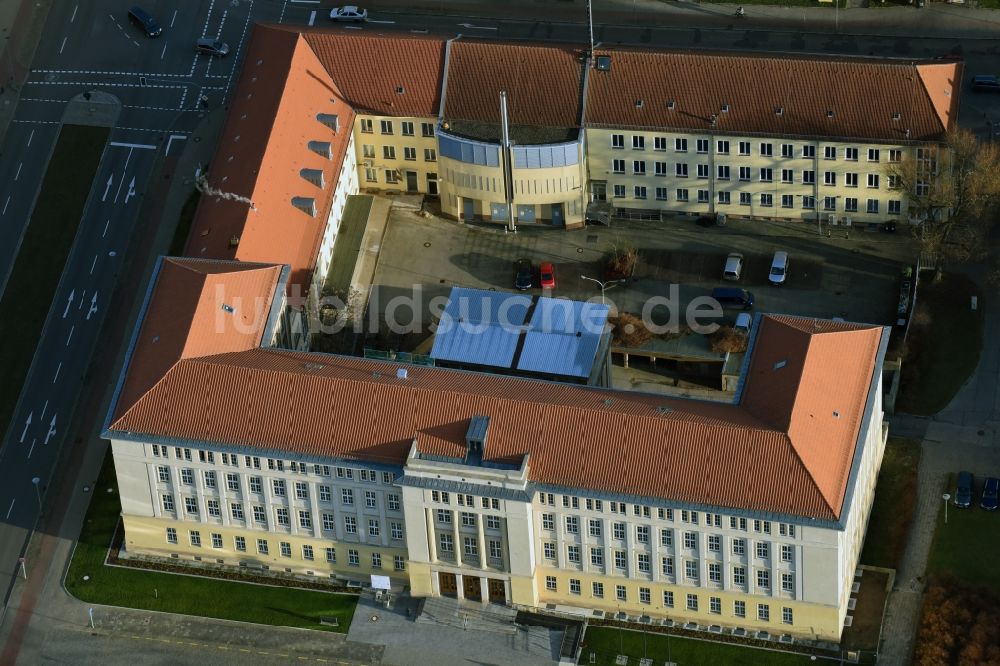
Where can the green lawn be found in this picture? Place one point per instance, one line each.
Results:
(184, 223)
(967, 547)
(188, 595)
(892, 512)
(608, 642)
(44, 249)
(945, 339)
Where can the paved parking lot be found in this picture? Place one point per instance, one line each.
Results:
(854, 277)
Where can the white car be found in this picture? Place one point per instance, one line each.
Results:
(348, 13)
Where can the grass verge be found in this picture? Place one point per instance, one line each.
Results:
(188, 595)
(42, 256)
(965, 548)
(892, 511)
(943, 348)
(608, 642)
(184, 223)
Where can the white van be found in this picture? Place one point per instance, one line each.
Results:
(779, 268)
(734, 266)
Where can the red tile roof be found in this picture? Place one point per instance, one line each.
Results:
(782, 450)
(187, 319)
(370, 69)
(863, 94)
(543, 83)
(264, 146)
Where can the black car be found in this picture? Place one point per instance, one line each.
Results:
(963, 493)
(985, 83)
(990, 488)
(145, 21)
(524, 274)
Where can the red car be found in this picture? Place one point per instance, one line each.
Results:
(547, 276)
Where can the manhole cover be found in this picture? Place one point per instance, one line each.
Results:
(579, 250)
(427, 244)
(373, 618)
(982, 432)
(86, 489)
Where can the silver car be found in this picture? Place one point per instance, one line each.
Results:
(348, 13)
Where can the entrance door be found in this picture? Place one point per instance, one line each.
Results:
(432, 184)
(599, 191)
(411, 181)
(498, 591)
(447, 584)
(468, 208)
(471, 588)
(557, 215)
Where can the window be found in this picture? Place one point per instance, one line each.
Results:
(594, 527)
(667, 566)
(661, 194)
(447, 543)
(762, 549)
(212, 506)
(681, 145)
(873, 154)
(259, 515)
(305, 520)
(746, 198)
(724, 197)
(639, 167)
(786, 615)
(427, 129)
(681, 194)
(722, 172)
(722, 147)
(850, 205)
(216, 540)
(766, 149)
(851, 154)
(350, 524)
(398, 563)
(376, 560)
(659, 143)
(409, 153)
(471, 546)
(660, 168)
(618, 141)
(597, 557)
(703, 171)
(171, 535)
(366, 125)
(895, 207)
(808, 201)
(618, 166)
(236, 509)
(430, 155)
(766, 200)
(740, 608)
(386, 126)
(548, 521)
(787, 201)
(574, 586)
(640, 192)
(620, 593)
(745, 174)
(307, 552)
(691, 569)
(872, 206)
(830, 152)
(352, 558)
(572, 524)
(262, 547)
(286, 548)
(739, 576)
(787, 176)
(347, 497)
(597, 589)
(278, 486)
(895, 156)
(256, 484)
(619, 191)
(329, 522)
(620, 560)
(702, 196)
(281, 516)
(809, 151)
(830, 203)
(389, 152)
(644, 595)
(406, 128)
(715, 605)
(618, 530)
(642, 533)
(739, 546)
(692, 602)
(714, 572)
(549, 550)
(714, 543)
(690, 540)
(301, 490)
(763, 579)
(873, 180)
(371, 175)
(681, 170)
(396, 530)
(240, 543)
(324, 494)
(786, 553)
(787, 583)
(923, 188)
(808, 177)
(164, 473)
(830, 178)
(573, 554)
(550, 583)
(642, 562)
(702, 145)
(187, 477)
(370, 499)
(368, 151)
(668, 599)
(763, 612)
(392, 502)
(638, 142)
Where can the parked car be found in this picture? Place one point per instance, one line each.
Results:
(963, 494)
(743, 322)
(348, 13)
(524, 274)
(212, 47)
(733, 297)
(547, 276)
(985, 83)
(145, 21)
(734, 266)
(779, 269)
(989, 501)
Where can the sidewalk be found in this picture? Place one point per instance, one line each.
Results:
(21, 24)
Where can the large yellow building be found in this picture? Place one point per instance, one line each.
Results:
(235, 452)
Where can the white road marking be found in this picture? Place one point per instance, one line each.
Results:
(119, 190)
(304, 2)
(6, 203)
(32, 448)
(11, 507)
(52, 430)
(93, 306)
(44, 407)
(83, 297)
(58, 368)
(208, 17)
(173, 18)
(352, 27)
(478, 27)
(164, 51)
(19, 165)
(70, 336)
(93, 264)
(107, 187)
(140, 146)
(222, 22)
(312, 17)
(69, 301)
(374, 21)
(105, 232)
(131, 190)
(37, 122)
(30, 136)
(105, 72)
(63, 45)
(71, 18)
(27, 422)
(170, 140)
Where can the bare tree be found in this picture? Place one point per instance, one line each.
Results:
(953, 191)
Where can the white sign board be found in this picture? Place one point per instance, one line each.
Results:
(380, 582)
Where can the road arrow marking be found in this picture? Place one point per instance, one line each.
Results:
(69, 301)
(107, 188)
(93, 307)
(27, 422)
(131, 190)
(52, 430)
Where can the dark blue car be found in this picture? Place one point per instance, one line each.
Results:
(963, 493)
(990, 488)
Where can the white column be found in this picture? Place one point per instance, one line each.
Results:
(484, 590)
(481, 539)
(459, 586)
(457, 536)
(431, 535)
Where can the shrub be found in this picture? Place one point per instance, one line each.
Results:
(726, 339)
(628, 331)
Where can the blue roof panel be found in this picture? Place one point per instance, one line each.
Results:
(480, 327)
(563, 337)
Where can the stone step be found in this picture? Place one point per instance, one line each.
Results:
(468, 615)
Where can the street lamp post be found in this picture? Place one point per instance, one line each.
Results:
(946, 497)
(38, 493)
(607, 284)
